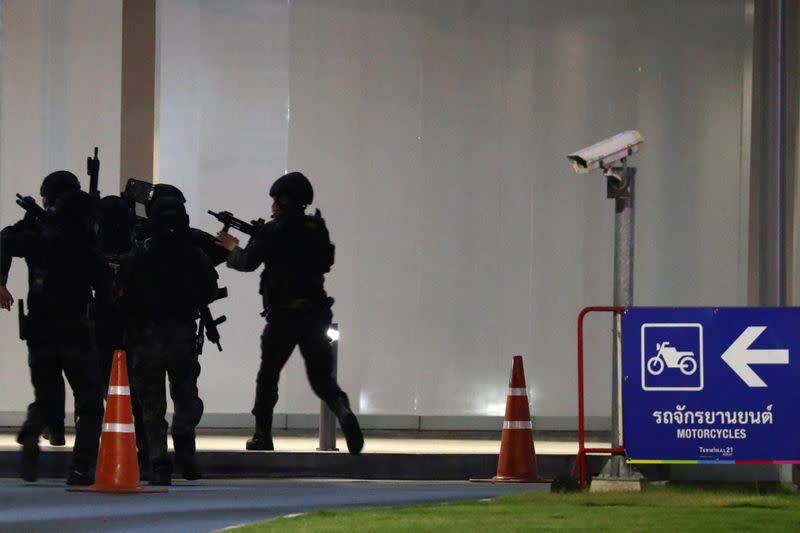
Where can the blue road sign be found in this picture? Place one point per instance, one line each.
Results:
(719, 385)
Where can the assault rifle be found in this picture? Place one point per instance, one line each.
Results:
(208, 324)
(31, 207)
(23, 320)
(229, 221)
(93, 169)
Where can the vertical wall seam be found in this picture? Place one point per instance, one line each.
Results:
(745, 175)
(780, 151)
(2, 90)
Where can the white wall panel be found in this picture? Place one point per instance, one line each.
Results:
(691, 184)
(223, 130)
(60, 75)
(435, 135)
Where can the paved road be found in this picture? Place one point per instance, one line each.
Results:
(210, 505)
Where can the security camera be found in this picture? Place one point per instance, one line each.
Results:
(606, 153)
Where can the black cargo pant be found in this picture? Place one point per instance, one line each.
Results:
(160, 351)
(286, 329)
(78, 361)
(56, 416)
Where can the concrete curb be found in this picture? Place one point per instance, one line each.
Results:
(372, 466)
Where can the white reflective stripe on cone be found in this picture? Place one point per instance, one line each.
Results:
(115, 390)
(517, 392)
(517, 425)
(118, 428)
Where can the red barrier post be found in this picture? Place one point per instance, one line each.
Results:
(580, 460)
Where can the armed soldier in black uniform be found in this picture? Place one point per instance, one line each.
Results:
(54, 186)
(164, 284)
(115, 225)
(296, 252)
(149, 194)
(63, 268)
(143, 228)
(115, 222)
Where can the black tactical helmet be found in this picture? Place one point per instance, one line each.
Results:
(74, 209)
(163, 190)
(114, 212)
(168, 214)
(56, 184)
(292, 190)
(115, 223)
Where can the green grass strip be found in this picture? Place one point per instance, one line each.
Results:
(655, 509)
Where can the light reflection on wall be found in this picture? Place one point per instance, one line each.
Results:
(364, 403)
(492, 400)
(435, 140)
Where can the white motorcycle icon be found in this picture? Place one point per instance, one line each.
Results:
(669, 357)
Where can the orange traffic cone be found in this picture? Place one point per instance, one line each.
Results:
(517, 461)
(117, 464)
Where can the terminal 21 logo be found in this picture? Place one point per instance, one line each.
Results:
(672, 357)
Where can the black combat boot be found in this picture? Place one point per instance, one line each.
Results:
(144, 465)
(185, 458)
(161, 472)
(29, 467)
(56, 436)
(262, 438)
(80, 478)
(351, 429)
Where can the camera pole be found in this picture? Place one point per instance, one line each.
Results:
(621, 190)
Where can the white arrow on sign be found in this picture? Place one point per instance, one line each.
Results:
(739, 357)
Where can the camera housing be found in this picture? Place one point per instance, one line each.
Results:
(606, 153)
(137, 192)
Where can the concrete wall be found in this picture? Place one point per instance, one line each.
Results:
(435, 134)
(59, 97)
